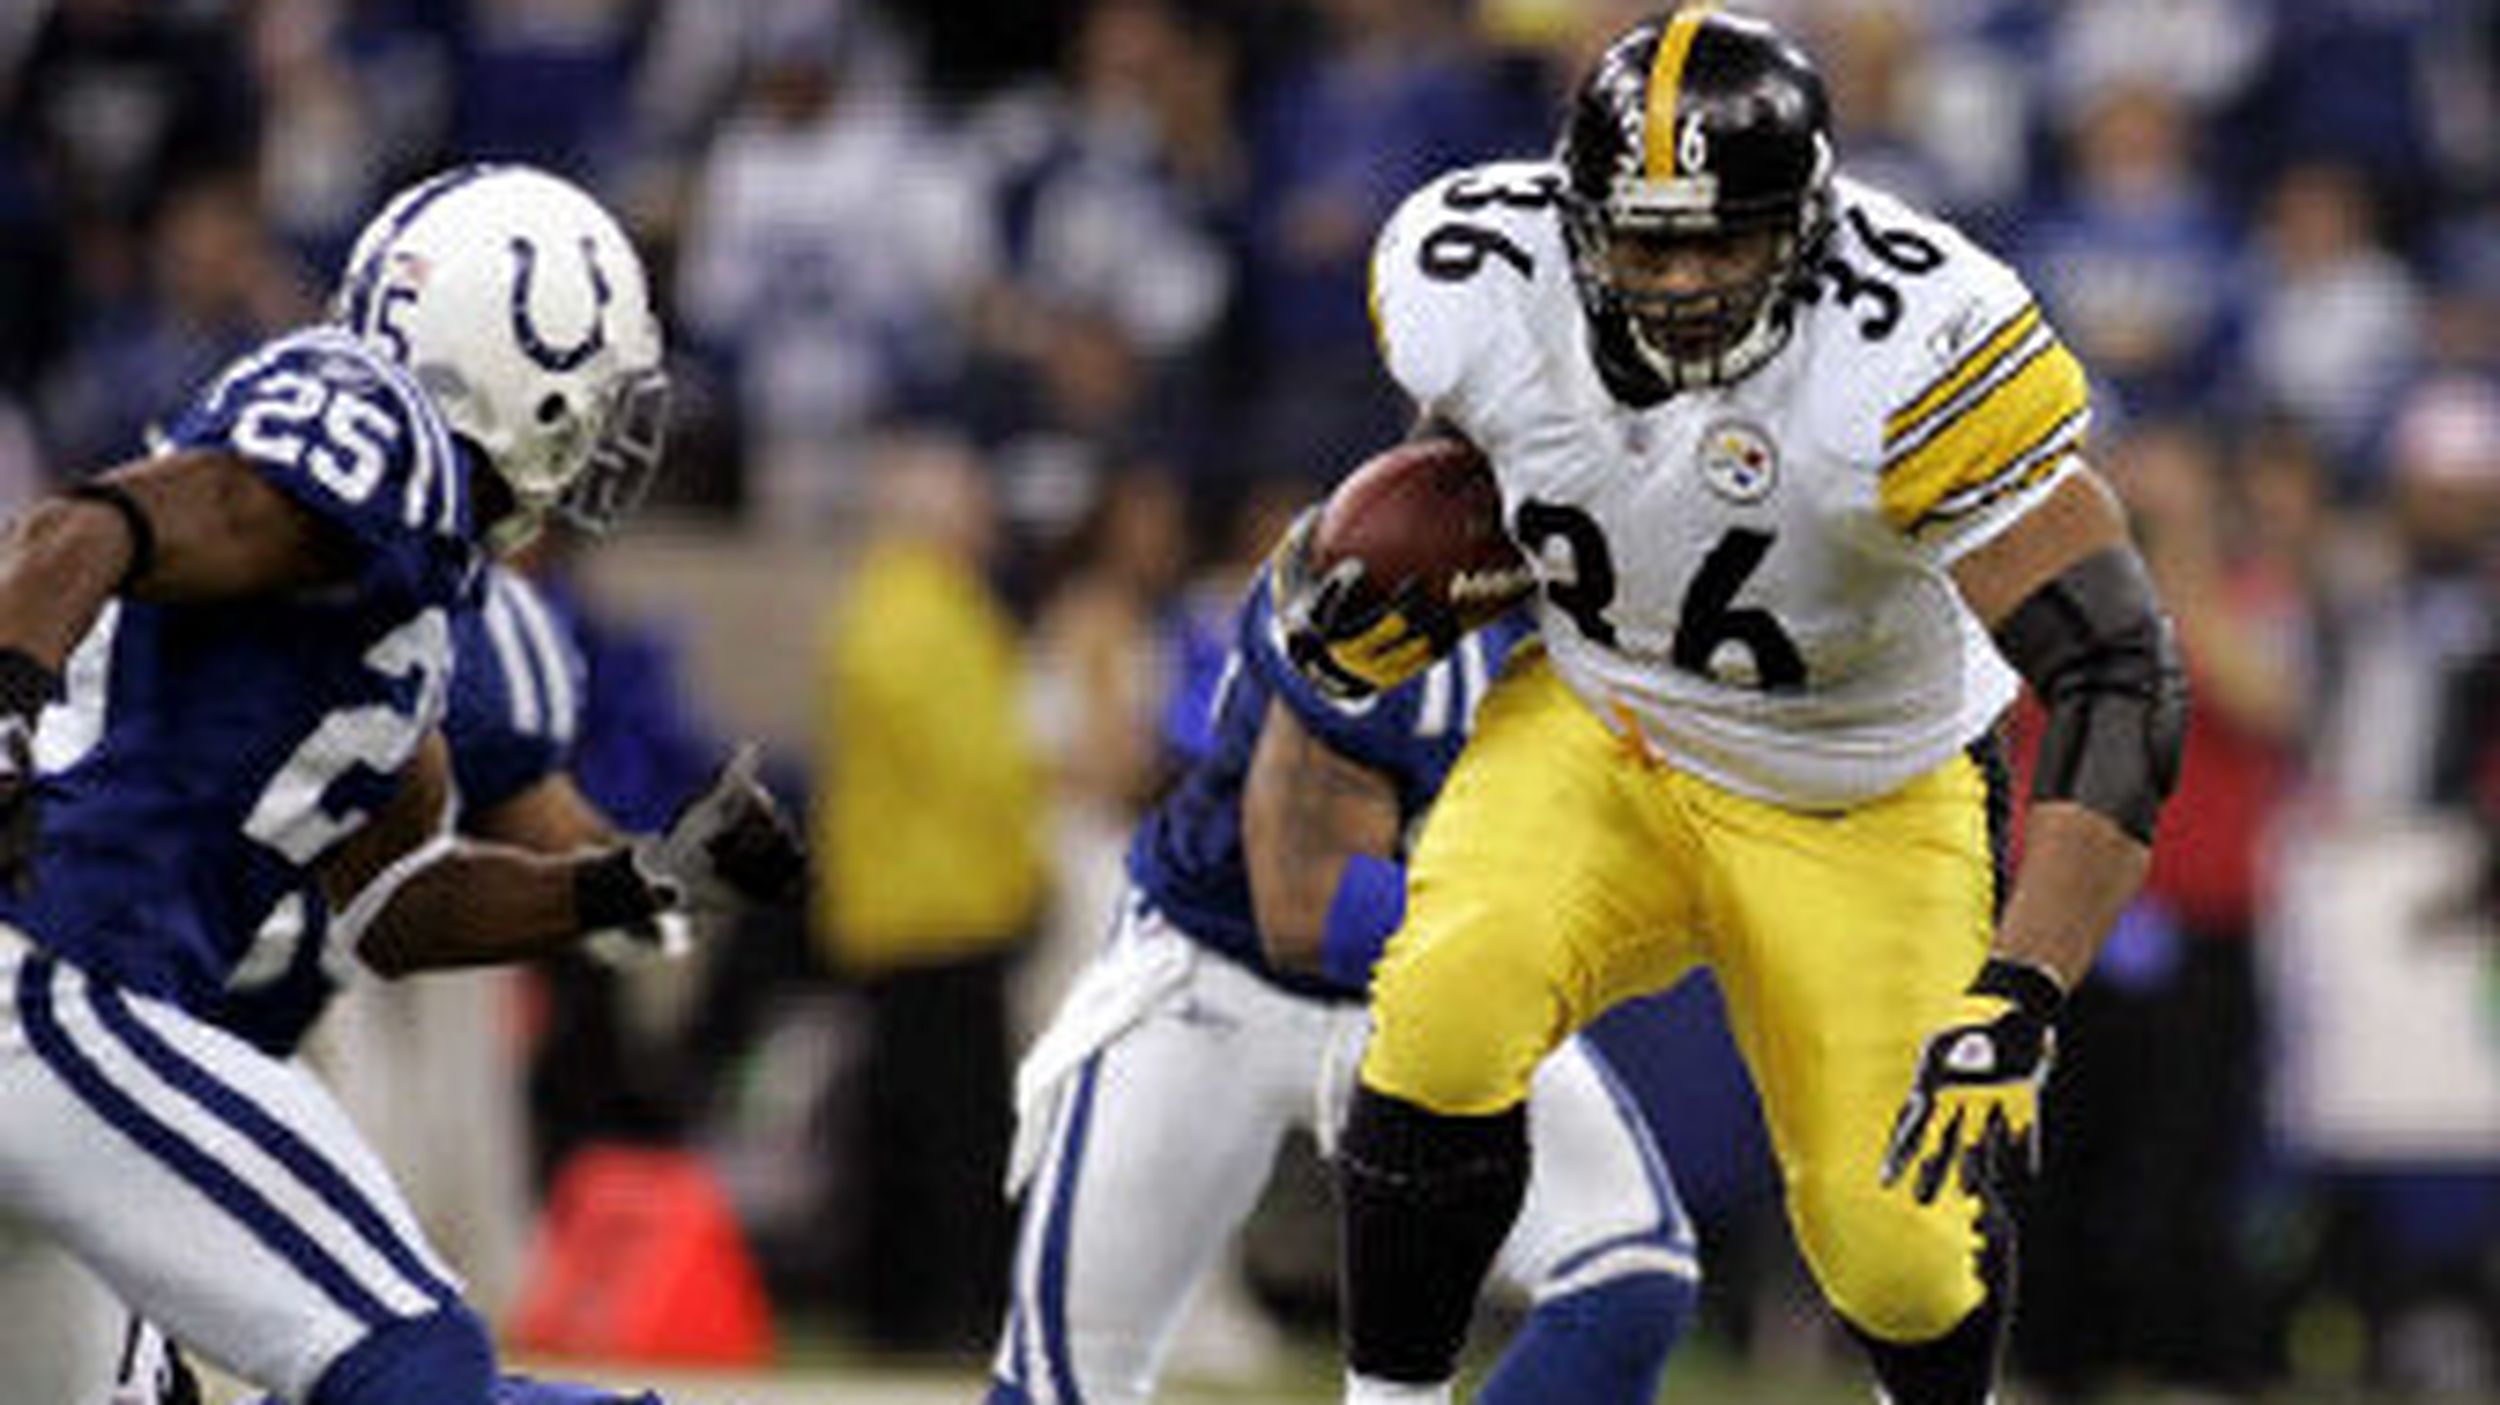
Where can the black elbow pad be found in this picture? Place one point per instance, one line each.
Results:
(2093, 643)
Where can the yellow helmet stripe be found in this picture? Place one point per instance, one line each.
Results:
(1666, 85)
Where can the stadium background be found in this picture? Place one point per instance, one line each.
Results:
(1097, 264)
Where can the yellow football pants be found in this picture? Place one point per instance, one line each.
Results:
(1561, 873)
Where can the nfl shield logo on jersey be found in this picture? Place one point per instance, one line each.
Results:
(1738, 462)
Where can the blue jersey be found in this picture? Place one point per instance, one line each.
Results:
(1187, 854)
(516, 707)
(204, 757)
(516, 698)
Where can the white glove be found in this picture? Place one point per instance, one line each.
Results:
(728, 850)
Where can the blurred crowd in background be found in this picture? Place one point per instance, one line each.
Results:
(1039, 317)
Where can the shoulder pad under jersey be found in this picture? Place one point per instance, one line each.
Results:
(349, 435)
(1464, 276)
(1938, 365)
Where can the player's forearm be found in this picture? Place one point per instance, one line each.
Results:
(1307, 814)
(550, 817)
(59, 562)
(1293, 911)
(1339, 917)
(2079, 872)
(482, 905)
(1291, 880)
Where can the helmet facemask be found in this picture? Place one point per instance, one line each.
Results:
(625, 440)
(1715, 328)
(633, 433)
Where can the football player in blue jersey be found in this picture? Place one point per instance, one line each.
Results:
(515, 708)
(222, 674)
(517, 697)
(1226, 1010)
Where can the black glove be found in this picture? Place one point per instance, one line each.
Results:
(729, 849)
(1346, 639)
(25, 686)
(1975, 1105)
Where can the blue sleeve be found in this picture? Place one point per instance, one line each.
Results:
(644, 746)
(1201, 645)
(516, 692)
(1376, 731)
(350, 438)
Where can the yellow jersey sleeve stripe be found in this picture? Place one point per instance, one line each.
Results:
(1990, 435)
(1992, 348)
(2054, 446)
(1666, 87)
(2014, 364)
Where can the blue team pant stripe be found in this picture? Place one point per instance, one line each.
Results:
(223, 1188)
(301, 1159)
(1054, 1287)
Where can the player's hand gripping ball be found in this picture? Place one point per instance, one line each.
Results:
(1406, 555)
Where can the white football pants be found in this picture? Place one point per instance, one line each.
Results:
(1151, 1112)
(220, 1193)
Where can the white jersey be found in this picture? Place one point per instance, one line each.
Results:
(1749, 580)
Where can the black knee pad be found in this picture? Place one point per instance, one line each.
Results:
(1427, 1200)
(1960, 1367)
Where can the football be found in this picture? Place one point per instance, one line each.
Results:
(1424, 515)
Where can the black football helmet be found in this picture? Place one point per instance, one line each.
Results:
(1704, 128)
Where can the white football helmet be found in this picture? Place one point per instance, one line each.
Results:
(522, 309)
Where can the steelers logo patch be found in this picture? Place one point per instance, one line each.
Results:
(1738, 462)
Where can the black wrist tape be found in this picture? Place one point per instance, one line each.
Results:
(2034, 992)
(25, 684)
(608, 891)
(134, 521)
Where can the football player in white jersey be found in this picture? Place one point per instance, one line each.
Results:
(1799, 471)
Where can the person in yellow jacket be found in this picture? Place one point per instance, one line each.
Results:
(930, 829)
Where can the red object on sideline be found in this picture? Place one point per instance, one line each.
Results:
(638, 1259)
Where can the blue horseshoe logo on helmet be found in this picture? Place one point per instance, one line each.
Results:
(557, 358)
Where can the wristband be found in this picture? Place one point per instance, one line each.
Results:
(609, 891)
(134, 521)
(2033, 991)
(1369, 903)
